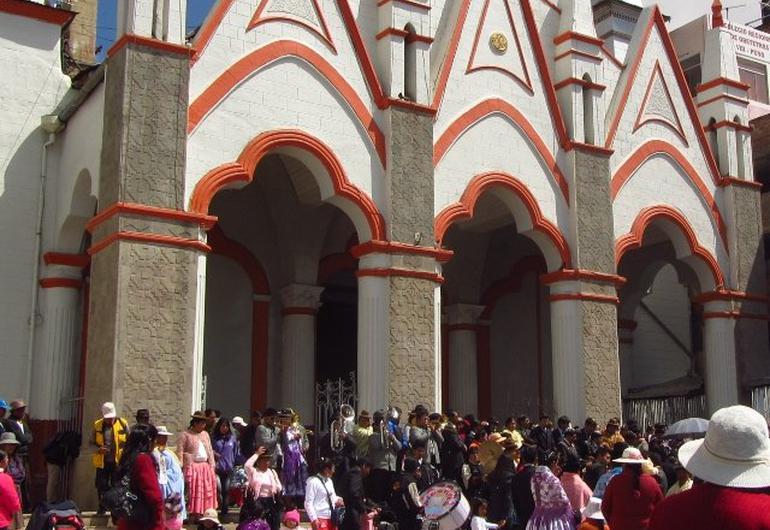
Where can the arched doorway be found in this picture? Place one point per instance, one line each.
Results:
(665, 374)
(496, 342)
(295, 210)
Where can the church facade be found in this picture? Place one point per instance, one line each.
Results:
(498, 206)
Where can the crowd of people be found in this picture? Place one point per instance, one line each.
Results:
(372, 469)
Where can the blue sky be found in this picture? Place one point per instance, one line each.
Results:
(106, 20)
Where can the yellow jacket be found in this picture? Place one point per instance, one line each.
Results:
(119, 436)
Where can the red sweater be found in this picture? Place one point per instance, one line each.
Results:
(626, 509)
(9, 500)
(712, 507)
(144, 480)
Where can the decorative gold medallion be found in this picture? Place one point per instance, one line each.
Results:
(499, 42)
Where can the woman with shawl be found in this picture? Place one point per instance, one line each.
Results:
(552, 508)
(170, 480)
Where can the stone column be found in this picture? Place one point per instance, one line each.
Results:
(721, 376)
(300, 305)
(462, 327)
(56, 357)
(373, 338)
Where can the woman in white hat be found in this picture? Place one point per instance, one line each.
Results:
(170, 479)
(733, 463)
(631, 496)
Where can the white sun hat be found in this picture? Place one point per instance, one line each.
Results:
(631, 455)
(735, 452)
(238, 420)
(108, 410)
(593, 509)
(162, 431)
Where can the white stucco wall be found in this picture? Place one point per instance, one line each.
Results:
(31, 84)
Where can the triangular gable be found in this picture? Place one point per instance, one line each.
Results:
(658, 107)
(629, 79)
(530, 34)
(497, 45)
(304, 13)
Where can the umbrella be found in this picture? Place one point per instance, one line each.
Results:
(689, 428)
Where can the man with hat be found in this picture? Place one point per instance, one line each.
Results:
(142, 417)
(611, 435)
(733, 462)
(383, 449)
(109, 435)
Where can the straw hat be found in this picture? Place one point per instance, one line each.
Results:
(593, 509)
(162, 431)
(735, 452)
(210, 515)
(631, 455)
(8, 438)
(18, 404)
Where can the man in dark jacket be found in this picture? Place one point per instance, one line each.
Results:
(523, 501)
(352, 492)
(453, 449)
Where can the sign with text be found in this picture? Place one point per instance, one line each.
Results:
(750, 42)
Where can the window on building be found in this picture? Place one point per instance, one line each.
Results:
(588, 112)
(740, 139)
(692, 72)
(755, 75)
(410, 63)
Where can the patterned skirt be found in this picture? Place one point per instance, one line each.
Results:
(201, 487)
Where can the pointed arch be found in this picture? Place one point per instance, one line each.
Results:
(338, 190)
(258, 59)
(683, 237)
(523, 205)
(498, 106)
(647, 150)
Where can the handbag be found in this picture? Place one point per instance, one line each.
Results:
(337, 513)
(124, 503)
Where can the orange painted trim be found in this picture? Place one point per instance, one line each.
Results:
(580, 82)
(729, 97)
(79, 261)
(499, 106)
(658, 147)
(222, 245)
(260, 324)
(209, 27)
(675, 124)
(130, 38)
(585, 297)
(735, 315)
(658, 21)
(627, 324)
(302, 311)
(410, 105)
(270, 53)
(635, 237)
(727, 296)
(552, 6)
(730, 125)
(734, 181)
(391, 31)
(721, 81)
(402, 273)
(464, 209)
(571, 35)
(244, 168)
(566, 275)
(409, 3)
(66, 283)
(526, 83)
(579, 53)
(322, 32)
(128, 208)
(149, 239)
(392, 247)
(512, 283)
(595, 149)
(42, 12)
(334, 263)
(462, 327)
(412, 37)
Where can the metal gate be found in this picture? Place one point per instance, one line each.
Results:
(330, 395)
(664, 410)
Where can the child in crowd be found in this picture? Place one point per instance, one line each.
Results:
(479, 520)
(593, 519)
(210, 521)
(290, 520)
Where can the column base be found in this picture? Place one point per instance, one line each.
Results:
(81, 487)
